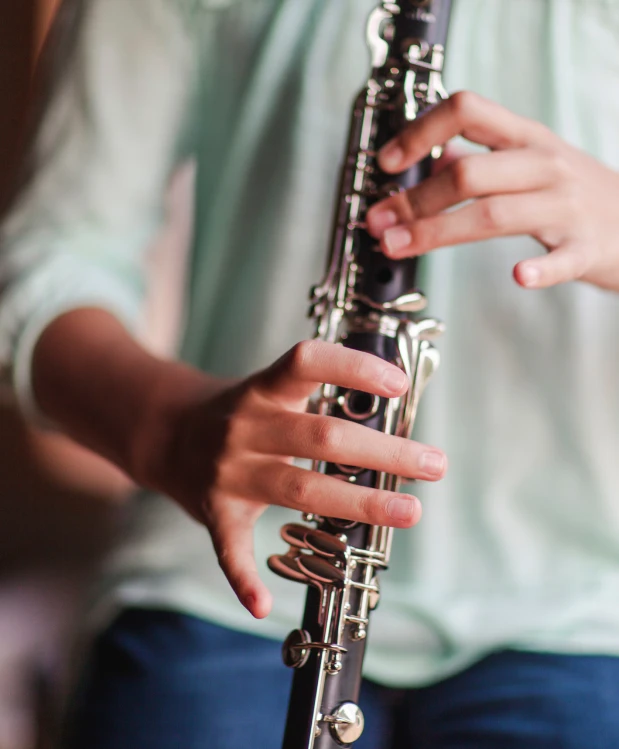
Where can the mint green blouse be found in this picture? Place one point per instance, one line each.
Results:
(519, 545)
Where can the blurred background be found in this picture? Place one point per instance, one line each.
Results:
(59, 505)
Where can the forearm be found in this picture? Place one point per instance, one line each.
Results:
(96, 381)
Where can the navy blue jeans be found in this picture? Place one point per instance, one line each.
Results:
(162, 680)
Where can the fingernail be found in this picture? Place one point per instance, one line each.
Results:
(397, 239)
(394, 379)
(380, 220)
(402, 508)
(391, 156)
(250, 601)
(433, 463)
(529, 275)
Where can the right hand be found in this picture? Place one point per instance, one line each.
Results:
(229, 450)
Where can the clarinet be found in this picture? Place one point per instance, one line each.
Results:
(369, 303)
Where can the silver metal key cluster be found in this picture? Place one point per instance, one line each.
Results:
(345, 576)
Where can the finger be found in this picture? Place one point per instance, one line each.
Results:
(309, 364)
(567, 263)
(496, 216)
(451, 152)
(474, 176)
(466, 114)
(233, 538)
(310, 491)
(338, 441)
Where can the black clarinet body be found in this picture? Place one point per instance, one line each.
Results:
(370, 303)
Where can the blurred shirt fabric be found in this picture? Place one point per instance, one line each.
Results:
(518, 545)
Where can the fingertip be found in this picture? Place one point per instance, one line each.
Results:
(434, 464)
(417, 511)
(382, 246)
(395, 381)
(396, 241)
(391, 158)
(404, 511)
(259, 604)
(527, 275)
(379, 219)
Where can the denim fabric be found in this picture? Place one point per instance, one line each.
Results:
(163, 680)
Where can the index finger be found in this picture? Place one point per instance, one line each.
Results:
(309, 364)
(467, 114)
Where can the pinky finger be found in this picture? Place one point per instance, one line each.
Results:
(567, 263)
(233, 539)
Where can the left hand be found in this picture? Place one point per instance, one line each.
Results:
(531, 182)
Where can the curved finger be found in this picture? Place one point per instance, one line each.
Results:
(478, 175)
(451, 152)
(233, 539)
(564, 264)
(467, 114)
(339, 441)
(309, 364)
(310, 491)
(496, 216)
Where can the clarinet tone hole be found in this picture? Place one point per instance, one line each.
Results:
(359, 406)
(384, 275)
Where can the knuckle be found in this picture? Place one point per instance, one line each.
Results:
(361, 365)
(238, 429)
(578, 265)
(224, 549)
(224, 471)
(537, 132)
(328, 436)
(558, 165)
(226, 558)
(572, 200)
(367, 508)
(297, 489)
(205, 516)
(213, 501)
(463, 178)
(493, 214)
(249, 401)
(300, 355)
(224, 553)
(399, 458)
(462, 104)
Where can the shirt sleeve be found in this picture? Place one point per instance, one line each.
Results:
(78, 229)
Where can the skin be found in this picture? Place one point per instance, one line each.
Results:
(530, 182)
(223, 450)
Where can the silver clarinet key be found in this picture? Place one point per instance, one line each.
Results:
(370, 303)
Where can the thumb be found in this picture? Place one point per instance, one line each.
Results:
(233, 539)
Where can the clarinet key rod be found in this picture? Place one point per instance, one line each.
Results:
(370, 303)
